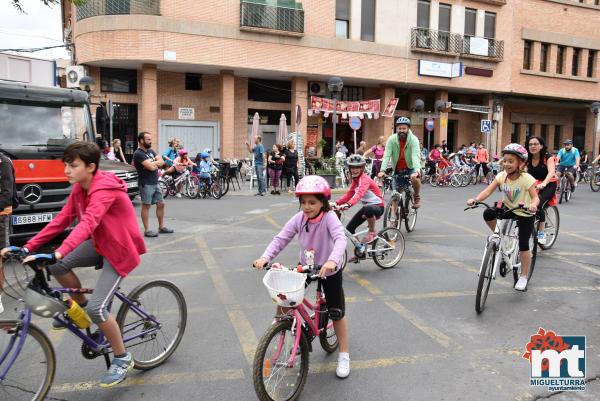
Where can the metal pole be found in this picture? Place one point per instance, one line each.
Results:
(595, 132)
(334, 119)
(111, 130)
(355, 141)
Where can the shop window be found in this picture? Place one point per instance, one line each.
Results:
(544, 132)
(514, 133)
(118, 80)
(530, 130)
(193, 82)
(263, 90)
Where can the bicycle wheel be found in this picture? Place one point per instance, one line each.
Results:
(595, 181)
(191, 187)
(391, 219)
(485, 277)
(465, 179)
(562, 189)
(533, 247)
(327, 338)
(344, 259)
(274, 379)
(166, 308)
(409, 213)
(223, 185)
(473, 178)
(388, 248)
(31, 375)
(551, 227)
(215, 190)
(433, 180)
(587, 175)
(455, 180)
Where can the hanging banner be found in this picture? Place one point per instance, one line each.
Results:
(320, 104)
(390, 108)
(312, 136)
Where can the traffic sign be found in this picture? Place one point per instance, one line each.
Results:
(355, 123)
(429, 124)
(486, 126)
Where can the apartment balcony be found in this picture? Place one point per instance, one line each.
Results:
(447, 43)
(284, 18)
(94, 8)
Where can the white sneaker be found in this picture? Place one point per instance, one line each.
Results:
(343, 367)
(1, 306)
(178, 195)
(521, 284)
(541, 238)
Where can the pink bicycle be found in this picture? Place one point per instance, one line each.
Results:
(281, 360)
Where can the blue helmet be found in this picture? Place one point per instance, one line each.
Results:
(204, 155)
(403, 120)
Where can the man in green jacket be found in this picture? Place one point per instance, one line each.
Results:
(402, 154)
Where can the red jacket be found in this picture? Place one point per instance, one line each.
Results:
(362, 188)
(108, 218)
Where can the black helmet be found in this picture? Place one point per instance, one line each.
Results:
(355, 161)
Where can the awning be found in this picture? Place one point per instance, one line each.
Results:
(471, 108)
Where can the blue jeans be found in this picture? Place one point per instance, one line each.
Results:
(260, 178)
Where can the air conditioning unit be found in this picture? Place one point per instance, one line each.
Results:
(74, 75)
(317, 88)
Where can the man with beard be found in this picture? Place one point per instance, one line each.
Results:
(402, 150)
(147, 163)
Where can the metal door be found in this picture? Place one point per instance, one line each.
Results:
(195, 135)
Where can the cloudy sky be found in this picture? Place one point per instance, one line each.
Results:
(39, 27)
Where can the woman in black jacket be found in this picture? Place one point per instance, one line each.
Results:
(290, 166)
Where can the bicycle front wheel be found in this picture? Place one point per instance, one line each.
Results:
(485, 277)
(153, 333)
(223, 184)
(388, 248)
(551, 227)
(191, 187)
(274, 379)
(215, 190)
(595, 181)
(327, 338)
(31, 375)
(391, 219)
(409, 214)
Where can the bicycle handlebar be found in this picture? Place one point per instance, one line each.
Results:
(520, 207)
(311, 270)
(39, 260)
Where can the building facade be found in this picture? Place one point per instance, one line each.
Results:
(201, 69)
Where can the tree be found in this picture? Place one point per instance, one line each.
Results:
(17, 3)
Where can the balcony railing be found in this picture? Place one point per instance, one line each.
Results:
(93, 8)
(429, 40)
(255, 15)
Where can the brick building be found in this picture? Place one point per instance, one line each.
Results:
(200, 69)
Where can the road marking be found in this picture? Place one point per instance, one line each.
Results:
(272, 222)
(239, 321)
(164, 275)
(459, 226)
(581, 237)
(378, 363)
(249, 219)
(443, 235)
(420, 324)
(576, 264)
(170, 251)
(257, 211)
(175, 241)
(227, 248)
(366, 284)
(574, 253)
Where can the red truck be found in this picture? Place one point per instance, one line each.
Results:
(36, 125)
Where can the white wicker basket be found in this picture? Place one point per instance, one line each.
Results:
(285, 287)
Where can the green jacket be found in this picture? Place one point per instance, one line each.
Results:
(412, 153)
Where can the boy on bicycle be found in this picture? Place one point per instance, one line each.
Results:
(366, 190)
(518, 188)
(107, 234)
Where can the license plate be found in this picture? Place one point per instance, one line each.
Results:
(31, 219)
(132, 184)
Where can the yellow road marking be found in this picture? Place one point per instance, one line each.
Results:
(581, 237)
(366, 284)
(378, 363)
(420, 324)
(459, 226)
(175, 241)
(170, 251)
(272, 222)
(259, 216)
(239, 321)
(576, 264)
(574, 253)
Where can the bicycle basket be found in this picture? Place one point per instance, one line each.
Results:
(16, 278)
(285, 287)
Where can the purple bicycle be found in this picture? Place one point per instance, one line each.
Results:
(281, 360)
(152, 319)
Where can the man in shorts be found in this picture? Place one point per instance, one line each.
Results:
(147, 163)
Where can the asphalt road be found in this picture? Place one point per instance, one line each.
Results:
(414, 332)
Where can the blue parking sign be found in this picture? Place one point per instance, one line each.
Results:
(486, 126)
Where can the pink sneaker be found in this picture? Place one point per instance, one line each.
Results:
(371, 235)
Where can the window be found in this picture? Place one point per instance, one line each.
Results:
(530, 130)
(444, 21)
(367, 22)
(591, 63)
(470, 21)
(544, 132)
(575, 62)
(118, 80)
(527, 55)
(560, 58)
(342, 18)
(263, 90)
(489, 29)
(544, 57)
(193, 82)
(352, 93)
(514, 133)
(557, 136)
(423, 14)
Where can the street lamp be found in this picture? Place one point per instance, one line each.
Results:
(335, 86)
(87, 84)
(595, 109)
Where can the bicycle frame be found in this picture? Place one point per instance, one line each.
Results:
(504, 254)
(353, 238)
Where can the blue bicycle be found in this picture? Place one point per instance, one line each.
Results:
(152, 319)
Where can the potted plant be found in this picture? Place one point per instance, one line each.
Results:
(326, 168)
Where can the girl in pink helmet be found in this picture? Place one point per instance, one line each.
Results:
(322, 238)
(518, 188)
(180, 163)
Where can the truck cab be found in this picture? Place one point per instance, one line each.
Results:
(38, 123)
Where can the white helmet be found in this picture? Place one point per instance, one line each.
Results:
(207, 150)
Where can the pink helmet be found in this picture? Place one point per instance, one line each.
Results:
(517, 150)
(182, 152)
(313, 185)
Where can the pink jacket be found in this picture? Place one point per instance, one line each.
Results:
(362, 189)
(109, 219)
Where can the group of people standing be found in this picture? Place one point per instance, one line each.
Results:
(281, 161)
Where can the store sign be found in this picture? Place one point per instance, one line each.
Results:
(443, 70)
(186, 113)
(320, 104)
(478, 46)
